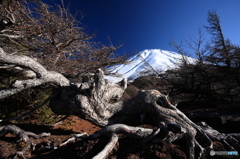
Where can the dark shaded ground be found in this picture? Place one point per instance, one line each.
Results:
(126, 148)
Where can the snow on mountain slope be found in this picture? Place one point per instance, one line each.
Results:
(160, 60)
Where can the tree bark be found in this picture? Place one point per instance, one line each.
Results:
(92, 101)
(30, 66)
(23, 137)
(97, 100)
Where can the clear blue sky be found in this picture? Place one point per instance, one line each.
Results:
(150, 24)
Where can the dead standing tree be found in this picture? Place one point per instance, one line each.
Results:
(92, 100)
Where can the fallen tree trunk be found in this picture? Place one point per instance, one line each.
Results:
(92, 102)
(97, 100)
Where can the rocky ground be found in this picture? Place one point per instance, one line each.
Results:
(126, 148)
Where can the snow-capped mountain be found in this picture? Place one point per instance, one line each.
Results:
(158, 59)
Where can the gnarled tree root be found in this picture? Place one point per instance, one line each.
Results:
(92, 101)
(230, 140)
(23, 137)
(168, 132)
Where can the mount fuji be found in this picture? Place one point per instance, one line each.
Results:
(160, 60)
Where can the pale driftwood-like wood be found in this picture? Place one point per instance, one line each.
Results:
(108, 148)
(92, 101)
(35, 74)
(21, 134)
(23, 137)
(97, 100)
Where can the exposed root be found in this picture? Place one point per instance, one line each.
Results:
(21, 134)
(152, 135)
(144, 134)
(23, 137)
(230, 140)
(136, 132)
(60, 121)
(19, 154)
(82, 135)
(108, 148)
(168, 132)
(52, 147)
(92, 101)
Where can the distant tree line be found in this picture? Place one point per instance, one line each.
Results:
(215, 76)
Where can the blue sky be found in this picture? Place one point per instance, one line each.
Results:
(150, 24)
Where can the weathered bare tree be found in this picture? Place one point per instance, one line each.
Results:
(215, 74)
(92, 98)
(225, 56)
(220, 47)
(54, 37)
(191, 78)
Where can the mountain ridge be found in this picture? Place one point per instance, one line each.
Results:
(160, 60)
